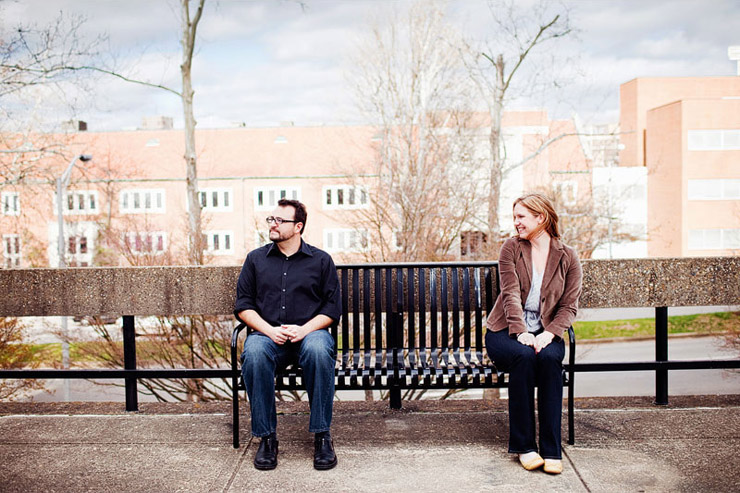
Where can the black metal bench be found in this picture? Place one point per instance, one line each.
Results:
(410, 326)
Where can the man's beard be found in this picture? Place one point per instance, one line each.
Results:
(280, 237)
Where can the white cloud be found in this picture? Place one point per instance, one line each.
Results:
(265, 61)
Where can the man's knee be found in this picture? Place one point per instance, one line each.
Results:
(257, 350)
(317, 346)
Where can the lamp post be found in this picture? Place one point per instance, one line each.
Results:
(62, 184)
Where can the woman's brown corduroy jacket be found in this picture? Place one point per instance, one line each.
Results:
(561, 287)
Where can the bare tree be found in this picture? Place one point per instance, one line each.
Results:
(518, 33)
(410, 82)
(14, 354)
(44, 68)
(37, 64)
(189, 28)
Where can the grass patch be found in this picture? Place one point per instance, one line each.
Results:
(704, 323)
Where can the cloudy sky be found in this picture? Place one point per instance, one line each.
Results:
(261, 62)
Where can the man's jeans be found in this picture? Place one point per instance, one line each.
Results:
(315, 355)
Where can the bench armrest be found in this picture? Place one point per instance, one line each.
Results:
(234, 342)
(571, 346)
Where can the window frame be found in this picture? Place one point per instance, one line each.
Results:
(329, 236)
(129, 239)
(127, 199)
(9, 257)
(696, 139)
(347, 191)
(74, 196)
(221, 235)
(696, 189)
(695, 243)
(5, 203)
(221, 194)
(291, 192)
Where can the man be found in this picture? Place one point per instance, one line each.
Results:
(288, 294)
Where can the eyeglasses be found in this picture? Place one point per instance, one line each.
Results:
(278, 220)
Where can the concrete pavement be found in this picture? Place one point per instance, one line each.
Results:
(622, 444)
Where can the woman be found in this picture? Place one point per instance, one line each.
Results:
(540, 286)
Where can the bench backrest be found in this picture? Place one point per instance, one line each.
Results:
(435, 309)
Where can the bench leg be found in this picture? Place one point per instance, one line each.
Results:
(395, 394)
(235, 410)
(571, 406)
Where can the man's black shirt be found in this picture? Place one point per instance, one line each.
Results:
(289, 290)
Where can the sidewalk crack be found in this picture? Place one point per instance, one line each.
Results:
(575, 469)
(238, 465)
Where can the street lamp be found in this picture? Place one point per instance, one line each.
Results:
(62, 184)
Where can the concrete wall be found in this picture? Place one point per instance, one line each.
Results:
(211, 290)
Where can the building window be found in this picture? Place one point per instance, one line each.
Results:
(724, 189)
(714, 140)
(220, 242)
(346, 240)
(397, 240)
(216, 199)
(345, 197)
(11, 251)
(266, 198)
(567, 191)
(472, 243)
(11, 203)
(77, 202)
(77, 244)
(146, 242)
(714, 239)
(142, 201)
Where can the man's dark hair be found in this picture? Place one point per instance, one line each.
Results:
(300, 210)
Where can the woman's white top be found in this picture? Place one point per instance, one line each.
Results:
(532, 305)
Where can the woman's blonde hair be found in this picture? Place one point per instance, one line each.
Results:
(539, 205)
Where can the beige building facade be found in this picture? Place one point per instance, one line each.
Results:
(128, 205)
(686, 132)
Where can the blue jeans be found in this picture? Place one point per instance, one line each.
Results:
(315, 355)
(526, 368)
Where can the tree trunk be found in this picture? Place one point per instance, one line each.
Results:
(496, 172)
(195, 235)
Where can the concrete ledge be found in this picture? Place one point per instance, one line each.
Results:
(211, 290)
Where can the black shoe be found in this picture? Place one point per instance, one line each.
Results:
(323, 453)
(266, 458)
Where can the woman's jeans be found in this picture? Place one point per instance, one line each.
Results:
(527, 368)
(315, 354)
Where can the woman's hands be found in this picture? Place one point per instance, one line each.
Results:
(542, 340)
(539, 342)
(526, 338)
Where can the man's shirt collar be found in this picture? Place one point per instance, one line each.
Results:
(305, 249)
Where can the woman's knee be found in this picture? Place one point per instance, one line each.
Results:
(551, 355)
